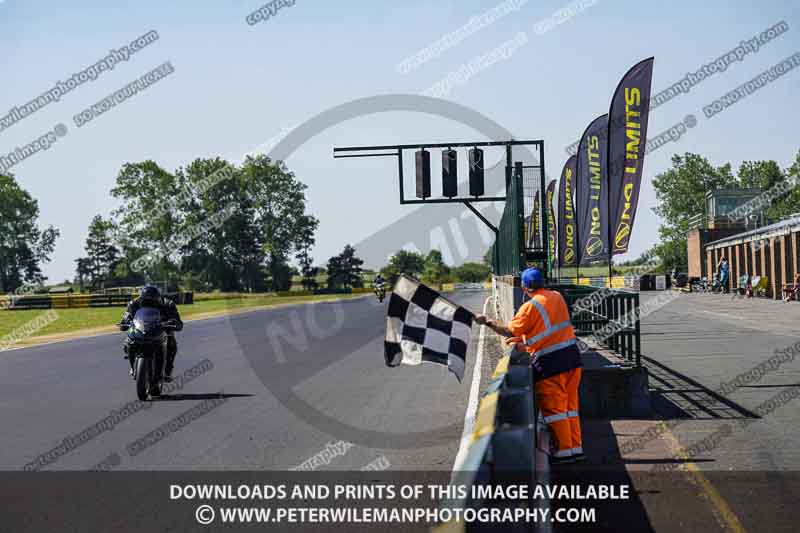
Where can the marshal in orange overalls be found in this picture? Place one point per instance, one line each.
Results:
(543, 325)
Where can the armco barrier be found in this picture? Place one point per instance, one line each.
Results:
(506, 443)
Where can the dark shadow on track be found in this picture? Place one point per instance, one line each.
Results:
(657, 500)
(604, 466)
(676, 395)
(668, 461)
(187, 397)
(778, 386)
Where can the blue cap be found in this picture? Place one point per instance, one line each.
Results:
(532, 277)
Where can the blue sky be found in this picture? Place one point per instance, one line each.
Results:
(236, 86)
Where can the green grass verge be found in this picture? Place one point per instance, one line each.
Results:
(70, 320)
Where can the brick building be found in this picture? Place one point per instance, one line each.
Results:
(770, 251)
(715, 224)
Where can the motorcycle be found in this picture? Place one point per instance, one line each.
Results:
(380, 292)
(700, 285)
(716, 285)
(146, 343)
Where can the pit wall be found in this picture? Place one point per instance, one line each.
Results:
(507, 294)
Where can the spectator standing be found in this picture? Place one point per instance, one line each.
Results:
(723, 270)
(790, 290)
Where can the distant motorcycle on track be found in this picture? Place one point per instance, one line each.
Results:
(146, 344)
(380, 291)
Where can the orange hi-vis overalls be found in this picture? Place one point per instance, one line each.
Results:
(543, 324)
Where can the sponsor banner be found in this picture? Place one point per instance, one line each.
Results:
(627, 138)
(535, 225)
(591, 189)
(567, 232)
(551, 223)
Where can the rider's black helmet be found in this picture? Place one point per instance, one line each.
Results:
(150, 295)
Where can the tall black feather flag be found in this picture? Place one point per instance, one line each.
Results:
(567, 233)
(627, 138)
(551, 223)
(591, 189)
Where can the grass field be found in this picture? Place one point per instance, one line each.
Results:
(71, 320)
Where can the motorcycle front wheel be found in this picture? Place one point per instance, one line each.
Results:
(142, 377)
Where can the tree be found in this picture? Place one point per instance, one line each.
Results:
(681, 194)
(83, 272)
(487, 257)
(765, 175)
(435, 271)
(307, 269)
(344, 270)
(228, 252)
(101, 254)
(791, 203)
(671, 250)
(213, 224)
(280, 207)
(146, 219)
(681, 190)
(645, 258)
(403, 262)
(23, 246)
(471, 273)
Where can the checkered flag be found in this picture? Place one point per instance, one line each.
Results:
(424, 327)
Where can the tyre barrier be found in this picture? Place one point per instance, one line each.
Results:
(504, 446)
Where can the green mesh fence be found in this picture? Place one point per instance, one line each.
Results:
(508, 251)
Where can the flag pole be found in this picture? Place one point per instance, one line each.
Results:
(608, 211)
(576, 241)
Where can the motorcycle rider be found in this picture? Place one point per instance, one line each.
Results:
(379, 284)
(150, 296)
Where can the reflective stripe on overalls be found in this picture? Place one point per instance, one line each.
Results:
(549, 330)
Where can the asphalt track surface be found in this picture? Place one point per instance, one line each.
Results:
(297, 381)
(696, 343)
(325, 387)
(742, 445)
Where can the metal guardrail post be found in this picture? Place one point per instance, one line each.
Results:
(637, 334)
(625, 333)
(494, 447)
(616, 302)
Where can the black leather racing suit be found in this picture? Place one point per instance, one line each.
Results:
(169, 311)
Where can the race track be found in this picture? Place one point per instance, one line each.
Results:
(286, 384)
